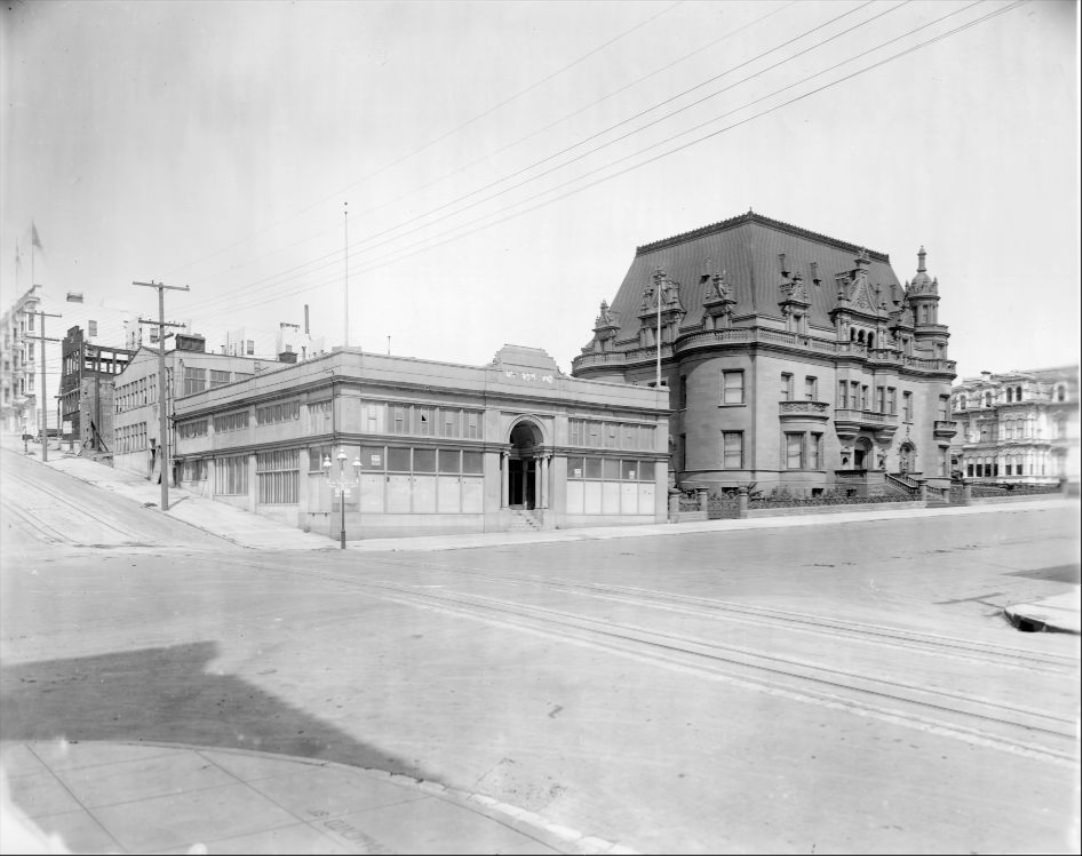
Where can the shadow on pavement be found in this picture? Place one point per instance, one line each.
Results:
(167, 695)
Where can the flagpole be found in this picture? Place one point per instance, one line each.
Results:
(345, 288)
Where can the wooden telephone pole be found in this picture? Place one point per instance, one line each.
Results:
(41, 395)
(163, 421)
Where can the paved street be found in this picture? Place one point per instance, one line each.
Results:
(838, 687)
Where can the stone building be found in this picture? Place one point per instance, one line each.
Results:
(793, 360)
(428, 447)
(1018, 427)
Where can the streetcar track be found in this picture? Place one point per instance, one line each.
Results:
(922, 708)
(60, 499)
(43, 530)
(896, 638)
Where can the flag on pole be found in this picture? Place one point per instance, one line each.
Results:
(18, 255)
(34, 237)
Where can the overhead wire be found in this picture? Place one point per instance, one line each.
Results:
(503, 216)
(337, 253)
(368, 243)
(488, 155)
(444, 136)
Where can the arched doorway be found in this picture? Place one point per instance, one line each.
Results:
(862, 454)
(907, 457)
(523, 463)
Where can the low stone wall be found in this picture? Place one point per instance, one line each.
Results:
(804, 510)
(686, 516)
(1025, 497)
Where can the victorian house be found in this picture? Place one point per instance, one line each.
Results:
(1018, 427)
(793, 360)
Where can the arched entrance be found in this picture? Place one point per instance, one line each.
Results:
(523, 465)
(907, 457)
(862, 454)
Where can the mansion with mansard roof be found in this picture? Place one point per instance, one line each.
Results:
(793, 360)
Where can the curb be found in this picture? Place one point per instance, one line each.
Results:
(529, 823)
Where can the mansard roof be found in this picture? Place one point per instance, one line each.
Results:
(747, 250)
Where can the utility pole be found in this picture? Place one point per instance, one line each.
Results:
(163, 422)
(41, 394)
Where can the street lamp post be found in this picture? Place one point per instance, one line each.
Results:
(340, 487)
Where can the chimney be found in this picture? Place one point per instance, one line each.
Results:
(190, 342)
(306, 319)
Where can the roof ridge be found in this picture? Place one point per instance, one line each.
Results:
(752, 217)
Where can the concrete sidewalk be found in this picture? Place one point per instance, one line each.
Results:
(233, 524)
(1059, 613)
(97, 797)
(256, 532)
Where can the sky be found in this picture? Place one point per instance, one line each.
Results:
(500, 162)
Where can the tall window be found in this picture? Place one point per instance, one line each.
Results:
(907, 406)
(577, 431)
(815, 451)
(92, 328)
(786, 386)
(449, 422)
(892, 401)
(683, 392)
(399, 419)
(316, 456)
(943, 408)
(473, 425)
(646, 437)
(732, 450)
(374, 415)
(231, 475)
(811, 388)
(732, 387)
(423, 415)
(794, 451)
(195, 380)
(881, 399)
(278, 476)
(843, 394)
(682, 453)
